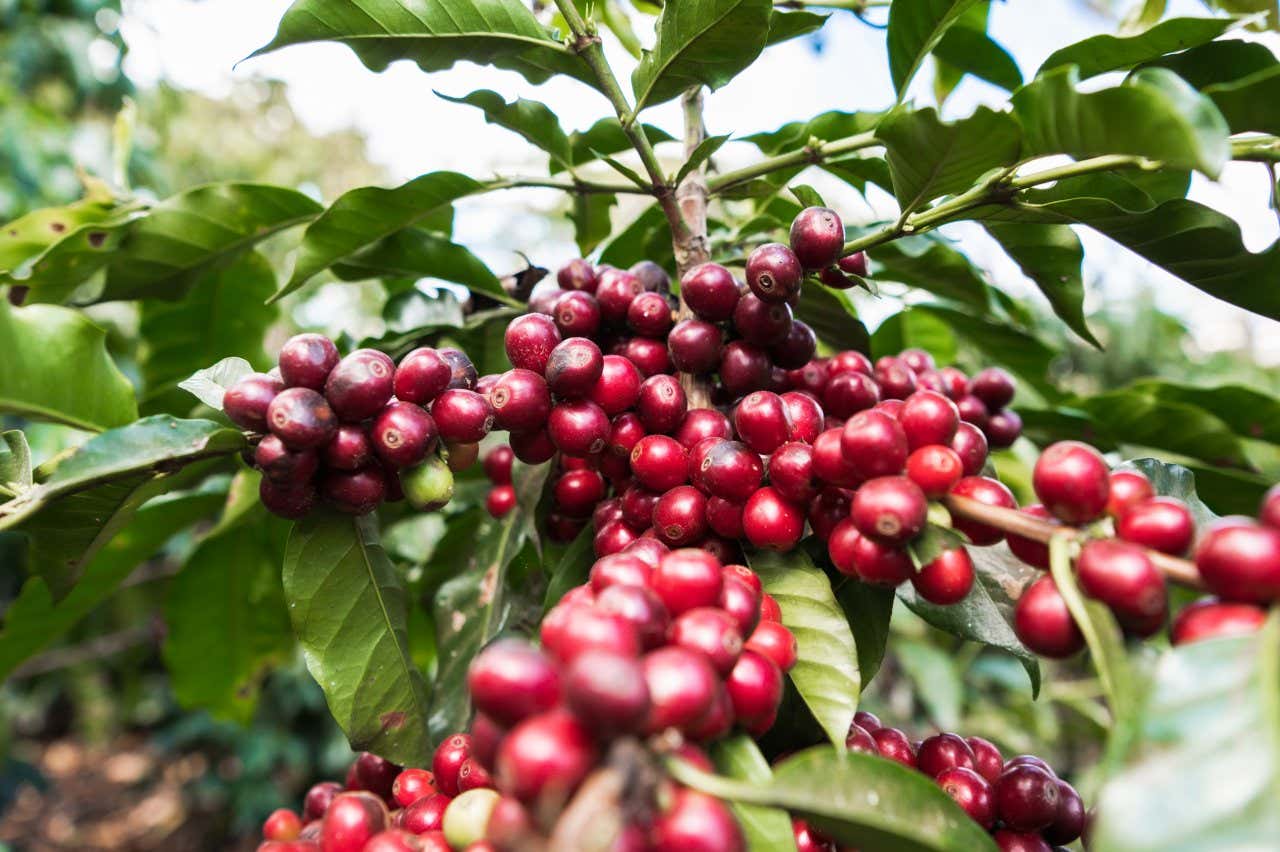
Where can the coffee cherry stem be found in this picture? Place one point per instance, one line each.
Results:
(1180, 571)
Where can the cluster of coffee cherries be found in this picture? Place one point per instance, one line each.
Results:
(1122, 531)
(359, 430)
(1021, 801)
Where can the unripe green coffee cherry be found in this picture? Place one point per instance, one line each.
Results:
(467, 817)
(427, 486)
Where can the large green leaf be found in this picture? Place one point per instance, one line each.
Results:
(766, 829)
(590, 217)
(871, 802)
(929, 158)
(700, 43)
(969, 50)
(417, 253)
(1154, 114)
(362, 217)
(433, 34)
(826, 672)
(1204, 769)
(54, 366)
(1138, 417)
(868, 609)
(833, 318)
(184, 237)
(34, 620)
(937, 679)
(1251, 413)
(931, 262)
(228, 596)
(784, 26)
(531, 119)
(915, 28)
(92, 494)
(1241, 78)
(1051, 256)
(628, 245)
(986, 615)
(1101, 53)
(214, 313)
(349, 613)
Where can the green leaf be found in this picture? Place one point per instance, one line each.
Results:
(784, 26)
(700, 43)
(706, 148)
(214, 313)
(807, 195)
(1051, 256)
(1250, 413)
(1270, 8)
(1101, 53)
(1153, 114)
(833, 318)
(55, 367)
(929, 158)
(533, 120)
(363, 216)
(1203, 770)
(874, 803)
(915, 28)
(937, 680)
(349, 613)
(986, 614)
(417, 253)
(868, 610)
(766, 829)
(435, 35)
(228, 596)
(930, 262)
(825, 127)
(15, 462)
(1139, 417)
(826, 671)
(1240, 77)
(628, 245)
(932, 542)
(34, 620)
(915, 329)
(590, 217)
(971, 51)
(211, 384)
(94, 492)
(571, 568)
(185, 237)
(605, 138)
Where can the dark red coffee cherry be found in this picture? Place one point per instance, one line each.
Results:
(578, 492)
(615, 293)
(578, 428)
(521, 401)
(355, 493)
(1069, 824)
(702, 423)
(529, 341)
(928, 418)
(971, 792)
(890, 508)
(710, 292)
(426, 816)
(992, 492)
(947, 579)
(639, 606)
(680, 516)
(607, 691)
(574, 367)
(761, 323)
(301, 418)
(1044, 624)
(512, 680)
(545, 757)
(532, 447)
(1209, 618)
(743, 368)
(874, 444)
(894, 745)
(402, 434)
(1027, 798)
(282, 465)
(360, 385)
(661, 404)
(292, 500)
(619, 569)
(352, 819)
(896, 379)
(791, 472)
(1003, 428)
(1239, 560)
(761, 421)
(732, 471)
(796, 349)
(1121, 576)
(804, 417)
(847, 393)
(318, 799)
(694, 346)
(724, 518)
(755, 688)
(659, 462)
(696, 821)
(942, 752)
(649, 354)
(994, 387)
(829, 462)
(776, 642)
(576, 315)
(577, 274)
(817, 237)
(971, 446)
(581, 627)
(246, 402)
(973, 410)
(987, 760)
(1072, 481)
(711, 631)
(682, 687)
(306, 359)
(860, 740)
(618, 387)
(464, 375)
(462, 415)
(1161, 523)
(686, 579)
(772, 522)
(654, 278)
(649, 314)
(774, 273)
(421, 376)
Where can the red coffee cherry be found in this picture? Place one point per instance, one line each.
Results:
(619, 569)
(761, 421)
(421, 376)
(356, 493)
(574, 367)
(576, 314)
(890, 508)
(971, 445)
(500, 500)
(545, 757)
(942, 752)
(680, 516)
(301, 418)
(772, 522)
(530, 447)
(521, 401)
(1128, 488)
(731, 471)
(578, 428)
(847, 393)
(464, 372)
(246, 402)
(702, 423)
(928, 418)
(649, 314)
(403, 433)
(971, 792)
(894, 745)
(829, 462)
(529, 341)
(351, 820)
(1027, 798)
(935, 469)
(694, 346)
(797, 348)
(661, 405)
(640, 607)
(804, 416)
(791, 472)
(1160, 523)
(582, 627)
(755, 688)
(947, 579)
(973, 410)
(411, 785)
(772, 640)
(686, 579)
(807, 839)
(743, 368)
(682, 687)
(710, 292)
(306, 359)
(473, 776)
(1034, 553)
(992, 492)
(696, 821)
(860, 740)
(1014, 841)
(607, 692)
(637, 506)
(462, 415)
(1072, 481)
(615, 293)
(1044, 624)
(497, 465)
(649, 354)
(896, 379)
(1121, 576)
(618, 387)
(987, 760)
(711, 631)
(817, 237)
(425, 815)
(869, 722)
(741, 602)
(761, 323)
(873, 562)
(511, 680)
(360, 385)
(724, 518)
(1003, 428)
(1240, 561)
(1069, 824)
(774, 273)
(577, 274)
(578, 492)
(994, 387)
(659, 462)
(282, 825)
(1209, 618)
(874, 444)
(282, 465)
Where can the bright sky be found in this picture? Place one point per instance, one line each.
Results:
(411, 131)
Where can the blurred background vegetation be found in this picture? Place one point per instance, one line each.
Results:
(95, 750)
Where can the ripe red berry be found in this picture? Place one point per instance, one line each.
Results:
(755, 688)
(1003, 428)
(992, 492)
(1030, 551)
(578, 427)
(462, 415)
(411, 785)
(890, 508)
(894, 745)
(521, 400)
(1240, 561)
(772, 522)
(421, 376)
(615, 293)
(928, 418)
(947, 579)
(776, 642)
(301, 418)
(1016, 841)
(761, 421)
(942, 752)
(971, 445)
(874, 444)
(686, 579)
(511, 680)
(529, 340)
(694, 346)
(577, 274)
(578, 492)
(351, 820)
(791, 472)
(724, 518)
(641, 608)
(573, 368)
(847, 393)
(804, 416)
(659, 462)
(682, 687)
(1027, 798)
(306, 359)
(1072, 481)
(376, 774)
(500, 500)
(860, 740)
(616, 569)
(971, 792)
(696, 821)
(1160, 523)
(711, 631)
(497, 465)
(871, 561)
(987, 760)
(464, 374)
(702, 423)
(994, 387)
(935, 469)
(743, 368)
(360, 385)
(680, 516)
(282, 465)
(637, 506)
(607, 691)
(282, 824)
(868, 721)
(1128, 488)
(403, 433)
(426, 814)
(246, 402)
(618, 387)
(649, 314)
(731, 471)
(356, 493)
(544, 758)
(797, 348)
(817, 237)
(761, 323)
(661, 405)
(1044, 624)
(1121, 576)
(774, 273)
(1209, 618)
(576, 314)
(1069, 824)
(649, 354)
(710, 292)
(896, 379)
(318, 799)
(829, 462)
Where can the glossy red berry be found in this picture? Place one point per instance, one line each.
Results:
(282, 465)
(743, 368)
(987, 760)
(544, 758)
(355, 493)
(282, 824)
(1030, 551)
(641, 607)
(586, 627)
(935, 469)
(761, 421)
(971, 446)
(351, 820)
(421, 376)
(579, 492)
(529, 340)
(619, 569)
(710, 291)
(1027, 798)
(649, 354)
(246, 402)
(1240, 561)
(928, 418)
(992, 492)
(896, 379)
(649, 314)
(971, 792)
(710, 631)
(521, 401)
(724, 518)
(659, 463)
(1209, 618)
(772, 522)
(462, 415)
(776, 642)
(1016, 841)
(808, 839)
(682, 686)
(894, 745)
(872, 561)
(464, 375)
(425, 815)
(402, 434)
(797, 348)
(661, 404)
(680, 516)
(1044, 624)
(791, 472)
(890, 508)
(755, 688)
(817, 237)
(306, 359)
(574, 367)
(874, 444)
(695, 346)
(498, 463)
(618, 387)
(994, 387)
(1072, 481)
(376, 774)
(1069, 824)
(576, 314)
(702, 423)
(696, 822)
(615, 293)
(318, 799)
(947, 579)
(411, 785)
(301, 418)
(500, 500)
(686, 579)
(511, 680)
(637, 506)
(360, 385)
(578, 427)
(761, 323)
(1003, 428)
(607, 691)
(860, 740)
(829, 462)
(1128, 488)
(774, 273)
(942, 752)
(577, 274)
(1160, 523)
(847, 393)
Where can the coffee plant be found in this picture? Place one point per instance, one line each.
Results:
(676, 488)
